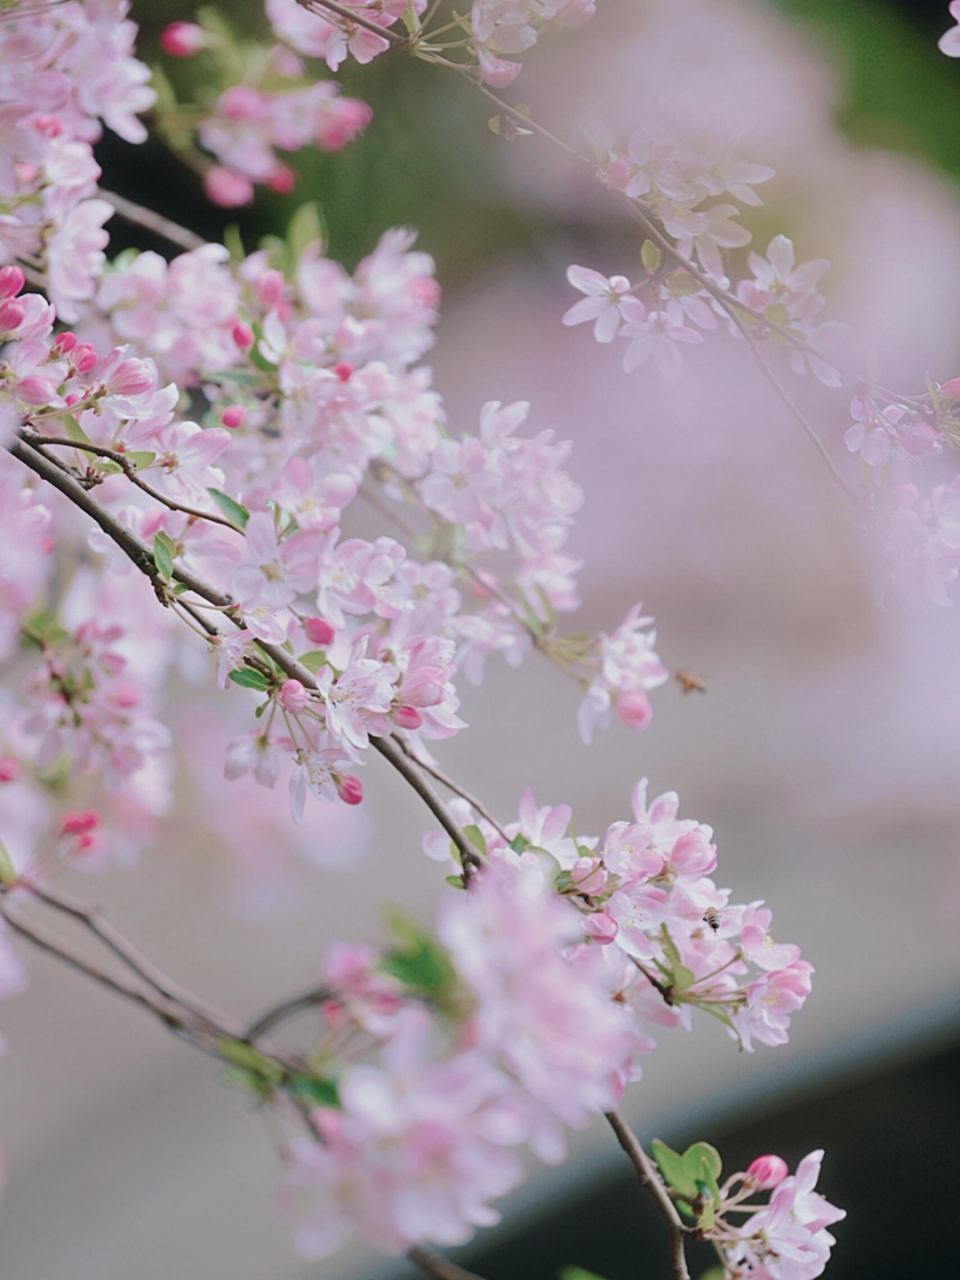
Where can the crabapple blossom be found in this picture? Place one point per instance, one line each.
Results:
(949, 42)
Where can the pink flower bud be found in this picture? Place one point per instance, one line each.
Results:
(601, 927)
(767, 1172)
(11, 315)
(12, 281)
(9, 769)
(125, 695)
(407, 718)
(634, 709)
(243, 335)
(349, 789)
(341, 123)
(951, 388)
(282, 180)
(73, 398)
(65, 342)
(269, 286)
(183, 39)
(79, 822)
(84, 357)
(589, 875)
(233, 416)
(318, 631)
(49, 126)
(35, 390)
(293, 696)
(344, 370)
(227, 188)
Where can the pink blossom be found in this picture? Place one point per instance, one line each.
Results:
(605, 303)
(949, 42)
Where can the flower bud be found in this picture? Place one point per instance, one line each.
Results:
(425, 687)
(11, 315)
(282, 180)
(767, 1172)
(227, 188)
(318, 631)
(243, 335)
(233, 416)
(344, 370)
(79, 822)
(84, 357)
(12, 281)
(269, 287)
(9, 769)
(633, 708)
(183, 39)
(293, 696)
(407, 718)
(349, 789)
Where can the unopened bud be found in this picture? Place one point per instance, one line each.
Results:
(318, 631)
(183, 39)
(349, 789)
(633, 708)
(293, 696)
(767, 1172)
(9, 769)
(233, 416)
(407, 718)
(243, 336)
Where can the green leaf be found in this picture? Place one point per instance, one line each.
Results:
(320, 1092)
(314, 660)
(411, 19)
(247, 678)
(236, 512)
(164, 550)
(418, 961)
(306, 228)
(519, 844)
(455, 882)
(650, 256)
(249, 1059)
(673, 1166)
(141, 459)
(577, 1273)
(74, 430)
(715, 1273)
(234, 243)
(777, 314)
(476, 837)
(707, 1217)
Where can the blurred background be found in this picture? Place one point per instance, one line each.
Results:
(825, 753)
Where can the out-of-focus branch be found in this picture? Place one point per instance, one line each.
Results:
(150, 221)
(317, 7)
(438, 1267)
(649, 1178)
(287, 1009)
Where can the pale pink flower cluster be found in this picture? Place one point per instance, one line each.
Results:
(333, 38)
(949, 42)
(786, 1239)
(25, 547)
(627, 668)
(509, 27)
(248, 126)
(890, 437)
(672, 940)
(426, 1138)
(64, 69)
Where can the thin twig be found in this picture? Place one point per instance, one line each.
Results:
(437, 1266)
(130, 471)
(355, 19)
(412, 772)
(455, 787)
(150, 221)
(286, 1009)
(646, 1171)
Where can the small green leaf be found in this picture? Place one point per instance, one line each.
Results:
(320, 1092)
(74, 430)
(418, 961)
(577, 1273)
(519, 844)
(455, 882)
(305, 229)
(234, 243)
(476, 837)
(236, 512)
(164, 550)
(715, 1273)
(141, 459)
(247, 678)
(650, 256)
(673, 1166)
(313, 660)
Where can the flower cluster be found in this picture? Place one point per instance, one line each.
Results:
(509, 27)
(277, 107)
(65, 69)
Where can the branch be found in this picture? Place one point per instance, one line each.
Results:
(317, 7)
(150, 221)
(650, 1179)
(449, 783)
(287, 1009)
(435, 1265)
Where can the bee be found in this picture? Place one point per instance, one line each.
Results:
(690, 682)
(712, 918)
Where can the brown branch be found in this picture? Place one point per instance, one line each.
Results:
(286, 1009)
(437, 1266)
(649, 1178)
(150, 221)
(130, 471)
(354, 19)
(451, 785)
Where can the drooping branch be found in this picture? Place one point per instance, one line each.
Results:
(286, 1009)
(438, 1267)
(650, 1179)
